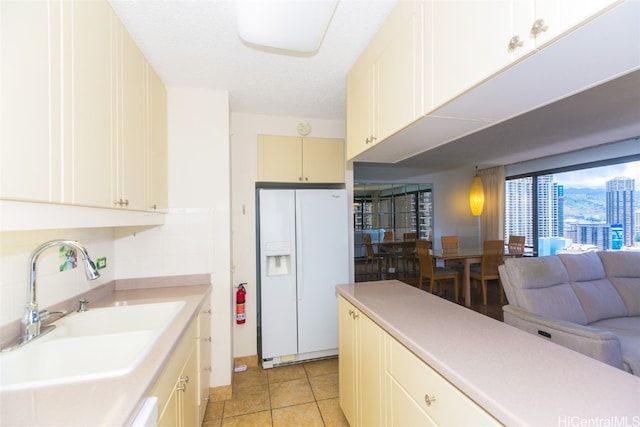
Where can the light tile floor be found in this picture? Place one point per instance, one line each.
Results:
(294, 395)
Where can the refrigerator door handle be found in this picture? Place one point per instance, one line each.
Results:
(299, 275)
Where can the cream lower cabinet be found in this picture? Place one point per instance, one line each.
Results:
(418, 395)
(204, 357)
(382, 383)
(360, 367)
(177, 386)
(300, 160)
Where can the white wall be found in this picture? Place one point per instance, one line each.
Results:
(244, 131)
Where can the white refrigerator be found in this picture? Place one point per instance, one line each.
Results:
(303, 255)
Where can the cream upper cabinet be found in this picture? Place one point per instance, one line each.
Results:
(301, 160)
(88, 102)
(385, 87)
(130, 149)
(468, 44)
(83, 118)
(361, 131)
(553, 18)
(157, 165)
(30, 111)
(361, 356)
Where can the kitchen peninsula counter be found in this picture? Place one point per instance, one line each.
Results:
(518, 378)
(111, 401)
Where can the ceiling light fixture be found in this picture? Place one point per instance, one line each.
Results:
(295, 25)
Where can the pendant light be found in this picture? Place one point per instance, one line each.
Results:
(476, 195)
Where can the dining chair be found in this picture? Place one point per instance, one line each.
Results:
(408, 252)
(428, 269)
(515, 247)
(372, 256)
(388, 250)
(492, 257)
(451, 245)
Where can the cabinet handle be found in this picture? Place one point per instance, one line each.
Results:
(185, 379)
(538, 27)
(121, 202)
(429, 399)
(515, 43)
(299, 178)
(207, 311)
(154, 207)
(370, 139)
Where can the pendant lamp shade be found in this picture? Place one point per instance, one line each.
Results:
(476, 195)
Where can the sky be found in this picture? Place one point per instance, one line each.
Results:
(596, 177)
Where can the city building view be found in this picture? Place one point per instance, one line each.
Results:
(581, 210)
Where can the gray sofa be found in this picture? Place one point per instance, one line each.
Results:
(588, 302)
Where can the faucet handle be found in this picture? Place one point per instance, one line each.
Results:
(82, 305)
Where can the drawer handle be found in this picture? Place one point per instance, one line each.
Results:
(429, 399)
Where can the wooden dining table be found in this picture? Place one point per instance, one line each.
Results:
(468, 256)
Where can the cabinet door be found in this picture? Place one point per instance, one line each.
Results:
(29, 115)
(130, 149)
(169, 417)
(89, 103)
(189, 408)
(204, 356)
(360, 107)
(561, 16)
(403, 410)
(399, 87)
(347, 355)
(370, 372)
(323, 160)
(157, 179)
(279, 158)
(470, 44)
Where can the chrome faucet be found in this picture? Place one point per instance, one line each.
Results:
(31, 323)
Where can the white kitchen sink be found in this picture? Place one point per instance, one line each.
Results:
(99, 343)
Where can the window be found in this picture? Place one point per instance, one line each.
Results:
(588, 207)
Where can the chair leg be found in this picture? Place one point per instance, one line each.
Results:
(455, 288)
(431, 286)
(484, 292)
(420, 282)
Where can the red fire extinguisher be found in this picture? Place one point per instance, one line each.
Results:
(240, 299)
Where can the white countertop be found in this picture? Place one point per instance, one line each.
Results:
(113, 401)
(517, 377)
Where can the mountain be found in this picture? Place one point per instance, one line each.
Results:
(585, 204)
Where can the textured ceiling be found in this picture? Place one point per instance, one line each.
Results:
(195, 44)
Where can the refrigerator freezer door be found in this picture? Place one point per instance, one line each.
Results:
(277, 273)
(322, 230)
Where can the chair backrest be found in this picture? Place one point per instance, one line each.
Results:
(450, 244)
(368, 245)
(423, 248)
(407, 237)
(492, 256)
(516, 245)
(388, 236)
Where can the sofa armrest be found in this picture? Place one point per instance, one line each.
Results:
(593, 342)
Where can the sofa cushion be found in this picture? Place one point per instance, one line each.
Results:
(599, 298)
(623, 269)
(627, 329)
(541, 286)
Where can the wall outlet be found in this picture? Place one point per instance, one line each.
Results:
(101, 263)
